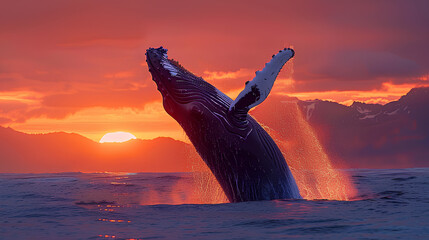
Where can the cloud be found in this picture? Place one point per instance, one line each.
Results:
(4, 121)
(78, 55)
(361, 65)
(387, 92)
(110, 98)
(13, 111)
(7, 106)
(227, 81)
(19, 106)
(120, 75)
(208, 75)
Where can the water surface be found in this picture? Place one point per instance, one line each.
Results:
(393, 204)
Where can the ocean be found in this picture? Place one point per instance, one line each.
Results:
(391, 204)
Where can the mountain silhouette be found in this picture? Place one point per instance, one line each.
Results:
(395, 135)
(70, 152)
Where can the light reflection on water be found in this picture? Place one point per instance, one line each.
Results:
(147, 189)
(88, 206)
(113, 220)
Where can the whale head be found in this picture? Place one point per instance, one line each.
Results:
(185, 96)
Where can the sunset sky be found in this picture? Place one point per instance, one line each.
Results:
(79, 66)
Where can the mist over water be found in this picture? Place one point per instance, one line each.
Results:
(315, 174)
(207, 188)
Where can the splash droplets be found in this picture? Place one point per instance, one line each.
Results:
(316, 176)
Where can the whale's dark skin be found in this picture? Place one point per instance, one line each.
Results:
(242, 156)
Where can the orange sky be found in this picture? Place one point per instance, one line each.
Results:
(79, 66)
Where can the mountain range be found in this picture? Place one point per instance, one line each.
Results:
(70, 152)
(394, 135)
(374, 135)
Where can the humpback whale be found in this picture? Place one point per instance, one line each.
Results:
(242, 156)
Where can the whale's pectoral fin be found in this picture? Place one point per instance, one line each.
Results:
(257, 90)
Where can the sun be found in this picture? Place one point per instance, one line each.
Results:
(117, 137)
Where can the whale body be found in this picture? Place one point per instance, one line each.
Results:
(242, 156)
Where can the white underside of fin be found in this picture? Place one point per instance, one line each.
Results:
(264, 80)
